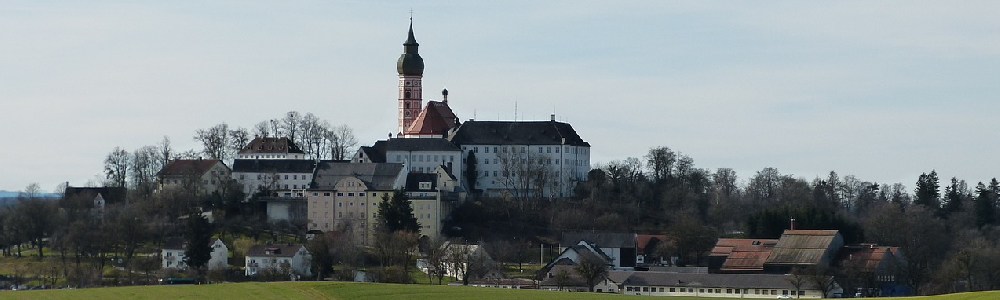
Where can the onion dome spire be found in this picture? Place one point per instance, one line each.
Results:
(410, 62)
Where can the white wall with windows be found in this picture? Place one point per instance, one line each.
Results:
(568, 165)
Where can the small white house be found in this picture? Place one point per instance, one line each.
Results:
(291, 257)
(173, 254)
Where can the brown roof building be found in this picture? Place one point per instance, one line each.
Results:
(200, 175)
(271, 148)
(740, 255)
(803, 248)
(434, 121)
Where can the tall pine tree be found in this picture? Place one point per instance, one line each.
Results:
(198, 234)
(927, 193)
(395, 213)
(985, 204)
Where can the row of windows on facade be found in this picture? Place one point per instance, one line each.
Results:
(710, 291)
(542, 161)
(273, 261)
(427, 157)
(506, 173)
(267, 177)
(294, 186)
(541, 149)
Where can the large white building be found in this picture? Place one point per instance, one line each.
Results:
(523, 158)
(277, 176)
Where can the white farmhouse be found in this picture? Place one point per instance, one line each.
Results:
(173, 254)
(291, 258)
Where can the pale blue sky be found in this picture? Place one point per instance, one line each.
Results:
(883, 90)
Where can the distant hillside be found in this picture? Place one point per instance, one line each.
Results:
(14, 194)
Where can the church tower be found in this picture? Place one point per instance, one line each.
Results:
(411, 69)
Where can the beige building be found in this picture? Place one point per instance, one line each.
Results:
(346, 195)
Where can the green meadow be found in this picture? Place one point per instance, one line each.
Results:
(313, 290)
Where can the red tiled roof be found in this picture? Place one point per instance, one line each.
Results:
(743, 254)
(643, 240)
(870, 256)
(725, 246)
(187, 167)
(435, 119)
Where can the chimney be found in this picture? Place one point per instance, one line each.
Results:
(792, 225)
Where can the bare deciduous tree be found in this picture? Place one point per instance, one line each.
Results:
(215, 141)
(341, 140)
(116, 166)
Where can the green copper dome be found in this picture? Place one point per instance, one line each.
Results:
(409, 62)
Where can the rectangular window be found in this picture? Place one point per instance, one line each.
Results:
(671, 290)
(326, 194)
(486, 173)
(486, 149)
(701, 290)
(436, 157)
(496, 161)
(557, 149)
(350, 194)
(540, 149)
(718, 291)
(661, 290)
(494, 149)
(361, 194)
(286, 176)
(548, 149)
(729, 291)
(494, 173)
(475, 149)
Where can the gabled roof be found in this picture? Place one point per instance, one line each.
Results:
(188, 167)
(284, 250)
(643, 240)
(517, 133)
(802, 247)
(377, 176)
(869, 256)
(271, 145)
(375, 152)
(726, 246)
(574, 278)
(110, 194)
(435, 119)
(601, 239)
(273, 165)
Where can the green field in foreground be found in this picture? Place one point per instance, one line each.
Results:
(347, 291)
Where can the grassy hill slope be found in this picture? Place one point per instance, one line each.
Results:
(349, 291)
